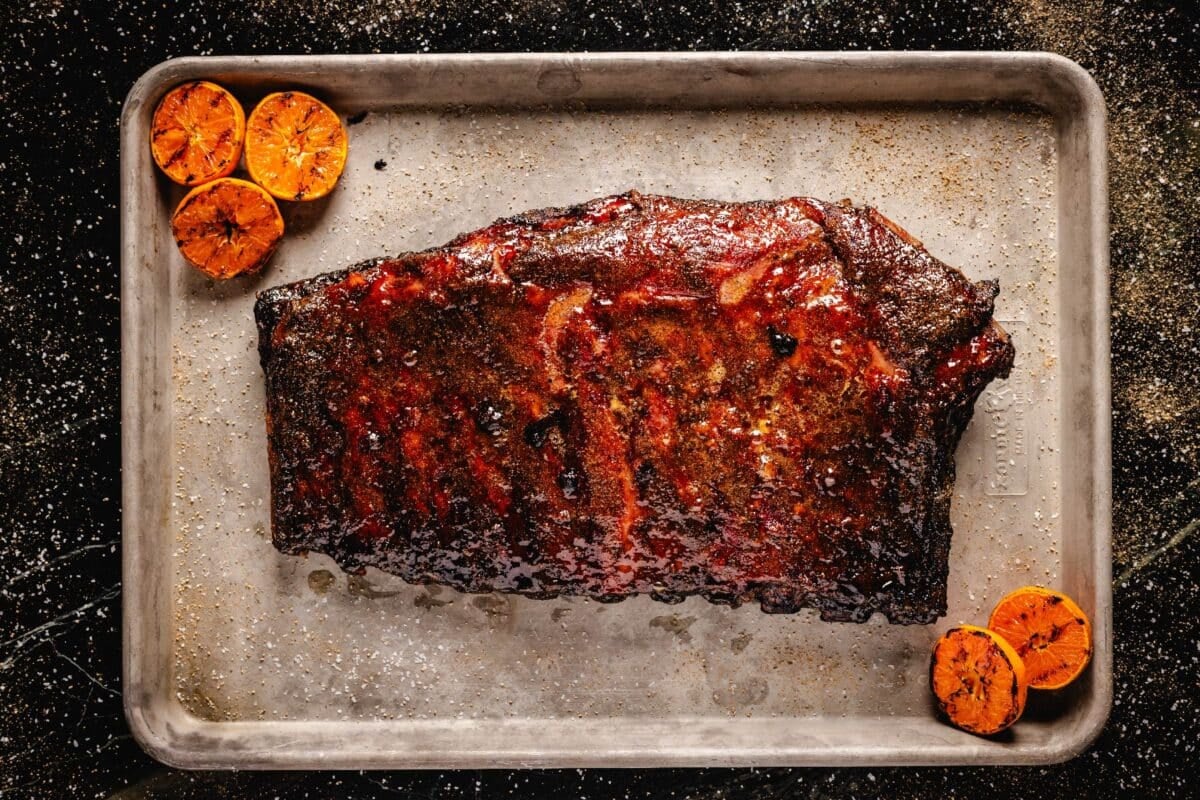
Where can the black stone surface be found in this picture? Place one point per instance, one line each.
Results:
(64, 71)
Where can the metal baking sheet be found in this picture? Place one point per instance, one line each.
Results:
(238, 656)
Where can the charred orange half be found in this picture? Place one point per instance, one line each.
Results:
(978, 679)
(197, 133)
(227, 227)
(1048, 630)
(295, 146)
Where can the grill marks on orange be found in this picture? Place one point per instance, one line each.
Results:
(1048, 630)
(295, 146)
(226, 228)
(197, 133)
(978, 679)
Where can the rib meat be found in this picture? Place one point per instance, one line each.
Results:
(638, 395)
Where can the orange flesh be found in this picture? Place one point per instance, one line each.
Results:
(978, 679)
(295, 146)
(197, 133)
(228, 227)
(1048, 630)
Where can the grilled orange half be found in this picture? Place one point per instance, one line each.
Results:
(228, 227)
(197, 132)
(978, 679)
(295, 146)
(1048, 630)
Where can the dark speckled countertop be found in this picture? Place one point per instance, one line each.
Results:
(64, 71)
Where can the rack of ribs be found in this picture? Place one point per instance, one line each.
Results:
(751, 402)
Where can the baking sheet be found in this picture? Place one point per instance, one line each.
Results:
(237, 655)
